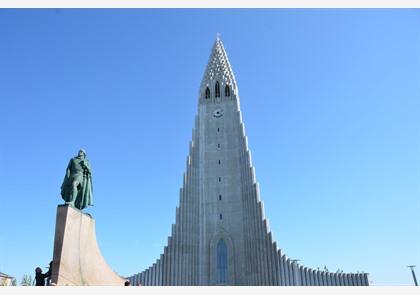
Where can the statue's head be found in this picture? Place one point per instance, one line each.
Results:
(82, 153)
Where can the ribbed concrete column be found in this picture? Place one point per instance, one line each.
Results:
(151, 276)
(328, 278)
(158, 283)
(340, 279)
(262, 264)
(276, 265)
(319, 276)
(195, 210)
(346, 279)
(366, 279)
(154, 274)
(286, 271)
(177, 251)
(267, 244)
(290, 272)
(246, 196)
(165, 266)
(171, 258)
(257, 243)
(302, 276)
(181, 231)
(334, 279)
(142, 278)
(312, 277)
(252, 220)
(188, 225)
(296, 273)
(281, 267)
(149, 273)
(252, 207)
(337, 279)
(181, 256)
(306, 276)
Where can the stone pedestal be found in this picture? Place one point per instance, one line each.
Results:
(77, 260)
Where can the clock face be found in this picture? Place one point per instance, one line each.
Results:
(218, 113)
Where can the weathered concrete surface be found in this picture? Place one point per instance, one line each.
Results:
(77, 260)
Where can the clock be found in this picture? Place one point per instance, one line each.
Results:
(218, 113)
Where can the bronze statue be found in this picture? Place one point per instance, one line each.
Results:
(76, 189)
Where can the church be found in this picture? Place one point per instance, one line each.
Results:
(221, 234)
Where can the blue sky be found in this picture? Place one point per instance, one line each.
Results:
(330, 100)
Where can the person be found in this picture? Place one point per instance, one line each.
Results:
(40, 277)
(76, 189)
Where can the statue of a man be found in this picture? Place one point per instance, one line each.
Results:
(76, 189)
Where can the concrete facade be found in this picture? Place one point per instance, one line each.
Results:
(221, 235)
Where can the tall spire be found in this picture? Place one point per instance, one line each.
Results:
(218, 68)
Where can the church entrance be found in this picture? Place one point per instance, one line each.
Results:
(221, 264)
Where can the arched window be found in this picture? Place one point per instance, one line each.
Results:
(221, 263)
(217, 89)
(207, 92)
(227, 90)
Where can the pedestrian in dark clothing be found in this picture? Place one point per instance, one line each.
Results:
(40, 277)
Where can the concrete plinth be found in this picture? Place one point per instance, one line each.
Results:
(77, 260)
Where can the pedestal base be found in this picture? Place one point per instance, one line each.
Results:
(77, 260)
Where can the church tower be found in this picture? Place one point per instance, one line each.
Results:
(221, 235)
